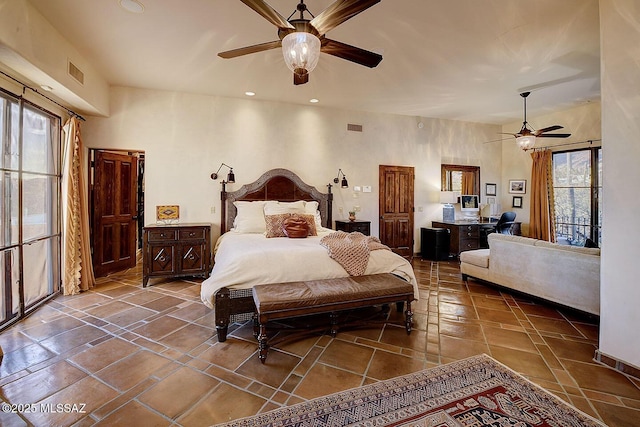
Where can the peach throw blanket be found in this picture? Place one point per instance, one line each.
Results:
(351, 250)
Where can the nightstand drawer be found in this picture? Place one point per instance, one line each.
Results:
(162, 235)
(192, 234)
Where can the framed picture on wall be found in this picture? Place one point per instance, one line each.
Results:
(517, 186)
(517, 202)
(491, 200)
(490, 189)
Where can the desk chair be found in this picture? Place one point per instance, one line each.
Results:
(503, 226)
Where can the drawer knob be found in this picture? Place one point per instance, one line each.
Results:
(192, 234)
(162, 235)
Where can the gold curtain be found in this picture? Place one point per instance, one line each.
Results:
(541, 220)
(78, 269)
(468, 182)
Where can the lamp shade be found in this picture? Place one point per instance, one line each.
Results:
(301, 52)
(526, 142)
(448, 197)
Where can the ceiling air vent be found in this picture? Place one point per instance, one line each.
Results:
(354, 128)
(76, 73)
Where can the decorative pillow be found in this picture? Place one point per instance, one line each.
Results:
(295, 227)
(311, 208)
(275, 224)
(274, 207)
(249, 217)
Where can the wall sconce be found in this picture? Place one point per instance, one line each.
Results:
(230, 177)
(344, 183)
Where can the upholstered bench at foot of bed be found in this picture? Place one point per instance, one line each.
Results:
(295, 299)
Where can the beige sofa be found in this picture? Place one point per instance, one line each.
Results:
(563, 274)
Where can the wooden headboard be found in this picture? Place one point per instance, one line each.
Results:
(277, 184)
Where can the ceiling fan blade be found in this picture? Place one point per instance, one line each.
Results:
(269, 13)
(338, 12)
(554, 135)
(300, 79)
(547, 129)
(350, 53)
(250, 49)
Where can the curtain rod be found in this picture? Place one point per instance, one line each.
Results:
(25, 86)
(590, 141)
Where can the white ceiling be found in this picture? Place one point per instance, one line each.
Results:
(453, 59)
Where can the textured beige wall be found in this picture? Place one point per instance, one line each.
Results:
(582, 122)
(619, 288)
(186, 137)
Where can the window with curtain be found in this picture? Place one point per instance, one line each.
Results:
(577, 183)
(29, 207)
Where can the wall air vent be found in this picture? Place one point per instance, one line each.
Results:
(76, 73)
(354, 128)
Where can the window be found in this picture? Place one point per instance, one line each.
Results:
(577, 184)
(29, 207)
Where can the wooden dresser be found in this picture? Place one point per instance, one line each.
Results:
(464, 236)
(176, 250)
(363, 227)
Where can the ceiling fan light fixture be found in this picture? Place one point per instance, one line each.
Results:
(301, 52)
(526, 142)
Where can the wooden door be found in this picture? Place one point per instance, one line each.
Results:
(114, 202)
(396, 208)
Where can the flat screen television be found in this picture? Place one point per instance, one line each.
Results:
(469, 206)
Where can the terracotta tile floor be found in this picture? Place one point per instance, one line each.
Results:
(125, 355)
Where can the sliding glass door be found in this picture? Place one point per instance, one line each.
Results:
(29, 207)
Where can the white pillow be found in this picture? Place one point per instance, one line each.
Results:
(312, 208)
(249, 217)
(273, 207)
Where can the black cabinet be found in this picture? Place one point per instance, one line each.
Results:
(363, 227)
(434, 243)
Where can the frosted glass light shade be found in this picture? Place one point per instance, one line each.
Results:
(301, 52)
(526, 142)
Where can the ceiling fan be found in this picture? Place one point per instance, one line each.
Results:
(526, 137)
(302, 39)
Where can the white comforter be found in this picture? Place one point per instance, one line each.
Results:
(245, 260)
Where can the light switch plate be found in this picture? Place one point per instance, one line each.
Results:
(356, 188)
(366, 189)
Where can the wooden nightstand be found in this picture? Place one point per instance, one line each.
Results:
(363, 227)
(176, 250)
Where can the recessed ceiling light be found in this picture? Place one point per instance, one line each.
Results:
(249, 93)
(132, 6)
(314, 101)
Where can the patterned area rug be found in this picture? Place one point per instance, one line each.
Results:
(474, 392)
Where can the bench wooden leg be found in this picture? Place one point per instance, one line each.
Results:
(333, 316)
(408, 317)
(256, 326)
(263, 347)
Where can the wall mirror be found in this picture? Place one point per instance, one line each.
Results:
(462, 178)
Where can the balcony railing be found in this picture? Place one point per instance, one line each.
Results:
(574, 231)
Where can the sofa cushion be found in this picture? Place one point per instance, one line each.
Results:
(576, 249)
(478, 257)
(510, 238)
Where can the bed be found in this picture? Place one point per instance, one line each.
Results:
(244, 256)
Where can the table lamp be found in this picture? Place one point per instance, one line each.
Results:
(448, 211)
